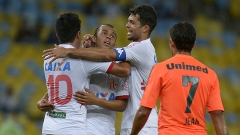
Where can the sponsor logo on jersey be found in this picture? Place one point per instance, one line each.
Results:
(57, 66)
(186, 67)
(57, 114)
(106, 96)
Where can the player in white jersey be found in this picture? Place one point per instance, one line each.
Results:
(113, 89)
(140, 54)
(109, 93)
(64, 77)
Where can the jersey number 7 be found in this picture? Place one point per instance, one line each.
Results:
(194, 80)
(53, 84)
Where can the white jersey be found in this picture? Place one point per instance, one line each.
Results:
(64, 77)
(107, 87)
(142, 57)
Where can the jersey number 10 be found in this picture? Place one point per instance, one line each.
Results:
(53, 84)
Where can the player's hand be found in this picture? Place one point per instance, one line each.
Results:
(85, 98)
(88, 41)
(44, 105)
(57, 52)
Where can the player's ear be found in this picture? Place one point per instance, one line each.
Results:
(94, 39)
(78, 36)
(194, 44)
(171, 43)
(146, 28)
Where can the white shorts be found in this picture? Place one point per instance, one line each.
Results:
(144, 131)
(97, 125)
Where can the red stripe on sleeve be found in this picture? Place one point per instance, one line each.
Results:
(122, 97)
(110, 67)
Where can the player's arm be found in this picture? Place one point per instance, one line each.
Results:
(219, 122)
(89, 98)
(140, 119)
(114, 105)
(121, 69)
(44, 105)
(93, 54)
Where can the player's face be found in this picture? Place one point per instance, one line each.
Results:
(134, 28)
(106, 37)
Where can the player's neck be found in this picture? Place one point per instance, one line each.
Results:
(143, 37)
(74, 44)
(183, 53)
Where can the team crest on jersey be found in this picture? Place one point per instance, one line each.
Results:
(112, 84)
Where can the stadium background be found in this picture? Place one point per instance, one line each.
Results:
(27, 28)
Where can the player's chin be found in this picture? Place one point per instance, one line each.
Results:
(129, 37)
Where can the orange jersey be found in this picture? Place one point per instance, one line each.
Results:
(186, 88)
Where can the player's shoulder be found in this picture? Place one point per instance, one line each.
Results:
(164, 62)
(204, 65)
(161, 65)
(207, 70)
(141, 44)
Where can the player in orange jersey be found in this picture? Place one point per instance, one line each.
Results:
(186, 88)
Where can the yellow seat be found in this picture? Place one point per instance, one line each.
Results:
(162, 49)
(47, 5)
(231, 57)
(29, 126)
(234, 9)
(15, 21)
(204, 55)
(201, 25)
(118, 122)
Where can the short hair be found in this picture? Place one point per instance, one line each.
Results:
(97, 29)
(183, 35)
(147, 15)
(67, 26)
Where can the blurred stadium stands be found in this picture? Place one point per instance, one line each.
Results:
(27, 28)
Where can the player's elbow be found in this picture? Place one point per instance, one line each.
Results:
(144, 111)
(122, 105)
(124, 69)
(120, 71)
(122, 108)
(125, 72)
(216, 113)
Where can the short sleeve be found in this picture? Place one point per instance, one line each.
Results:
(215, 101)
(136, 52)
(153, 88)
(94, 67)
(122, 92)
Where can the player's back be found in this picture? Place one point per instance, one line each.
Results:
(64, 77)
(187, 88)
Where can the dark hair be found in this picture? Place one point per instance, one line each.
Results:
(183, 35)
(67, 26)
(97, 29)
(147, 15)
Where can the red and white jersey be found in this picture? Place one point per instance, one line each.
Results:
(64, 77)
(142, 57)
(106, 87)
